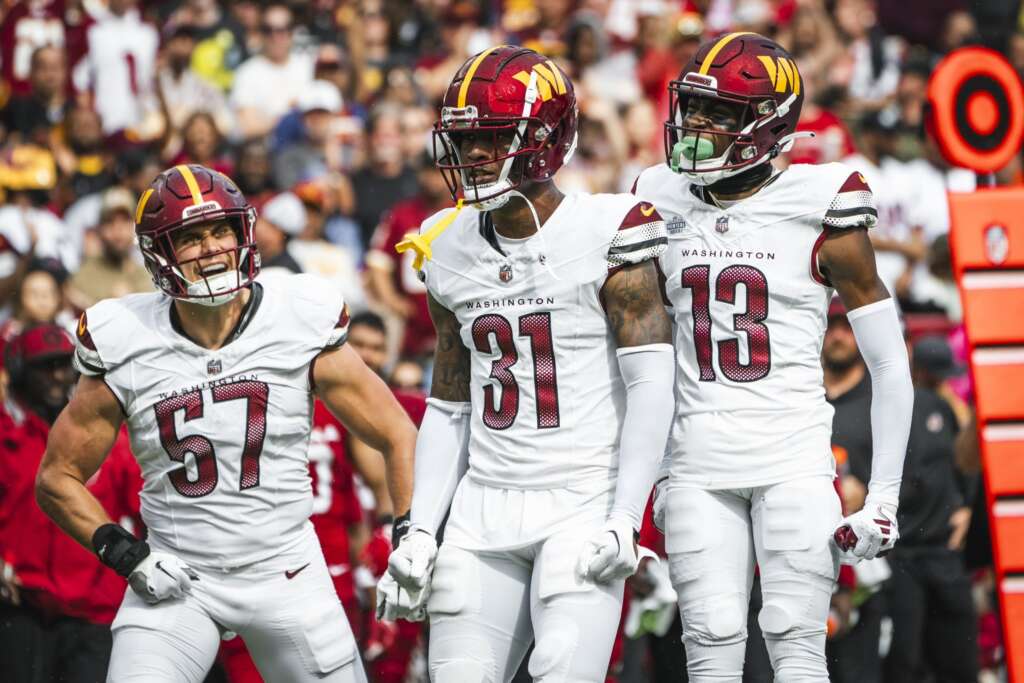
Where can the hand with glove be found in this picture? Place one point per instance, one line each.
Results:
(403, 591)
(869, 533)
(412, 561)
(660, 504)
(610, 554)
(395, 602)
(153, 575)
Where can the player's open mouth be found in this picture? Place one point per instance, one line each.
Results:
(213, 269)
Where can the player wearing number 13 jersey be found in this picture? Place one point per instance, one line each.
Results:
(552, 383)
(754, 256)
(214, 376)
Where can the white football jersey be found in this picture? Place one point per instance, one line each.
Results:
(221, 436)
(750, 307)
(547, 397)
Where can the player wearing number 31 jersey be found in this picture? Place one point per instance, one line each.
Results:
(214, 376)
(552, 384)
(754, 256)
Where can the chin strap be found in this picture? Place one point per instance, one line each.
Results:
(420, 243)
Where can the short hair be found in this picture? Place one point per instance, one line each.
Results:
(369, 319)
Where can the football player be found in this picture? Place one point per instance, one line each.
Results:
(754, 256)
(214, 375)
(552, 384)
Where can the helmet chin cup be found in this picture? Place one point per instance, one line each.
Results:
(495, 195)
(216, 290)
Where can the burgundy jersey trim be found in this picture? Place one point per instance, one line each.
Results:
(855, 183)
(816, 273)
(641, 214)
(83, 333)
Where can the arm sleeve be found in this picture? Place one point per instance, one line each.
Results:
(442, 457)
(649, 373)
(877, 329)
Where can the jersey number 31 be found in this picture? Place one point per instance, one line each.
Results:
(537, 327)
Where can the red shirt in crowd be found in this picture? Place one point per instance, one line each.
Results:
(406, 217)
(28, 26)
(57, 575)
(831, 142)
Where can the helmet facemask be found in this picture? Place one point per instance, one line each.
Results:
(212, 288)
(691, 151)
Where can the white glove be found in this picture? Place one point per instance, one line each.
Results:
(660, 503)
(395, 602)
(868, 533)
(161, 576)
(412, 562)
(610, 554)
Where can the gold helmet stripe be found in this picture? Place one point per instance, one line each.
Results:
(722, 42)
(141, 206)
(464, 88)
(190, 180)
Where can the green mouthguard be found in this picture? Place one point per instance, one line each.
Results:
(691, 148)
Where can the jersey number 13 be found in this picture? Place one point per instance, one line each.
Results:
(751, 323)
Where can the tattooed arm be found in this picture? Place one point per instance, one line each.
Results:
(633, 304)
(442, 455)
(451, 358)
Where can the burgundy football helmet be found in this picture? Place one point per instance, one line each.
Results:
(188, 195)
(524, 107)
(744, 69)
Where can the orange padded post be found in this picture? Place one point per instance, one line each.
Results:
(987, 245)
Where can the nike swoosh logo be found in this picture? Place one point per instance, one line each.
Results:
(647, 211)
(291, 575)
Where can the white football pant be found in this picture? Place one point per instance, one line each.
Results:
(714, 538)
(486, 607)
(284, 608)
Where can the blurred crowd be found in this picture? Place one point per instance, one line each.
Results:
(321, 111)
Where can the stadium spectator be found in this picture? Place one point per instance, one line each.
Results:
(386, 179)
(315, 254)
(267, 85)
(84, 160)
(181, 90)
(220, 41)
(391, 279)
(56, 599)
(37, 299)
(32, 116)
(116, 270)
(317, 153)
(202, 143)
(896, 242)
(254, 171)
(119, 66)
(282, 218)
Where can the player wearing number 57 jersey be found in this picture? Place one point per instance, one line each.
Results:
(552, 383)
(755, 254)
(214, 376)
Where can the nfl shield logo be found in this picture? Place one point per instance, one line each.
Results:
(722, 224)
(505, 273)
(213, 367)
